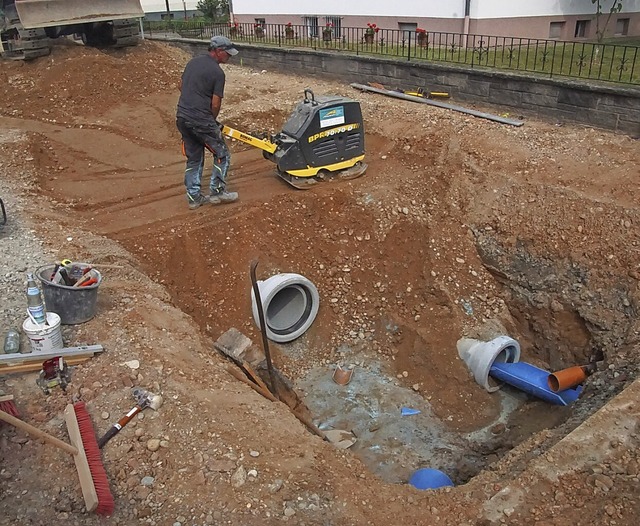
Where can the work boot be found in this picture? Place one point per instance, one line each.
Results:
(196, 202)
(223, 197)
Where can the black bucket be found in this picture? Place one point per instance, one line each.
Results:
(73, 304)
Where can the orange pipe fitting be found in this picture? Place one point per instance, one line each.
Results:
(567, 378)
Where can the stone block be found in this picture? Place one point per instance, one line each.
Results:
(579, 99)
(539, 99)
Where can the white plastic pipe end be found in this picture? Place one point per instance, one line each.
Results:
(290, 303)
(480, 356)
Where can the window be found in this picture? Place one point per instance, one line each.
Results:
(408, 30)
(556, 29)
(582, 28)
(407, 26)
(622, 27)
(336, 23)
(260, 22)
(311, 23)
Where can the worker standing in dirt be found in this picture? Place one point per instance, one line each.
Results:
(201, 92)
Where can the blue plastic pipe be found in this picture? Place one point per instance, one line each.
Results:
(429, 478)
(532, 380)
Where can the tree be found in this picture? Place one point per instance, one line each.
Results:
(601, 24)
(214, 10)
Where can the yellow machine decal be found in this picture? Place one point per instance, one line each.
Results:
(333, 131)
(310, 171)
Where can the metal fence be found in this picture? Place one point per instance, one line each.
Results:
(549, 58)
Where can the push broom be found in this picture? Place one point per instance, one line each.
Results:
(85, 451)
(8, 405)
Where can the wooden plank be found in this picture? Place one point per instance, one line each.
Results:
(17, 358)
(82, 464)
(254, 376)
(269, 396)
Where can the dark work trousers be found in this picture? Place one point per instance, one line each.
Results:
(195, 138)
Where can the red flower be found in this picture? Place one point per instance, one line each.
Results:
(288, 24)
(421, 31)
(372, 28)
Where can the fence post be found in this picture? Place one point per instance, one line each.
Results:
(409, 47)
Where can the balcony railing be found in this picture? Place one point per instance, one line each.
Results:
(549, 58)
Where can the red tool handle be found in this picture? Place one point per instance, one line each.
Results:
(91, 281)
(115, 428)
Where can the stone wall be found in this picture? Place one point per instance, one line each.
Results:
(601, 105)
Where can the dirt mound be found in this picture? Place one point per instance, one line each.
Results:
(79, 81)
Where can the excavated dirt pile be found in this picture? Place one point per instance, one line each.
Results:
(461, 227)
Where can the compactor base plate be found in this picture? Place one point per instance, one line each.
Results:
(305, 183)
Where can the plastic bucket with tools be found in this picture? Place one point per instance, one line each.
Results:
(73, 304)
(44, 338)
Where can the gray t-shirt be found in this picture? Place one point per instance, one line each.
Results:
(202, 78)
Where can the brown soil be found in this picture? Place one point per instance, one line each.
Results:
(460, 227)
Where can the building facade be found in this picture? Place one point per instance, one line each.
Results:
(544, 19)
(178, 9)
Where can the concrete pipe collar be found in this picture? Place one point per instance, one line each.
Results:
(480, 356)
(290, 304)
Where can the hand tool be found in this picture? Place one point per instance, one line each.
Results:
(8, 405)
(93, 478)
(144, 399)
(55, 372)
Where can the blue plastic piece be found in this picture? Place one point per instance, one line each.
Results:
(533, 380)
(407, 411)
(428, 478)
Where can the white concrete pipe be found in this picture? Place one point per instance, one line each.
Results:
(480, 356)
(290, 304)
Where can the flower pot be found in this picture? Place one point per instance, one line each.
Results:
(422, 39)
(368, 39)
(233, 32)
(259, 33)
(289, 34)
(567, 378)
(326, 36)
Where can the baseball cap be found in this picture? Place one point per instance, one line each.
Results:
(220, 42)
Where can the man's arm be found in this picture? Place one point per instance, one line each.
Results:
(216, 103)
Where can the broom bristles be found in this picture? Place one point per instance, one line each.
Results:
(10, 407)
(106, 504)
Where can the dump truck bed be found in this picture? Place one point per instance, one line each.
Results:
(46, 13)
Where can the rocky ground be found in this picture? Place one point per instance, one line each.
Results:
(460, 227)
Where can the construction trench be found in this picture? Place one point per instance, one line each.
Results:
(460, 228)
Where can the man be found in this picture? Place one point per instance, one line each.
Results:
(201, 92)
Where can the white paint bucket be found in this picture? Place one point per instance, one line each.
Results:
(44, 338)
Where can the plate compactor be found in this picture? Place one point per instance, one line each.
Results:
(323, 139)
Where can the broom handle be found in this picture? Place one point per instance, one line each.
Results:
(37, 433)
